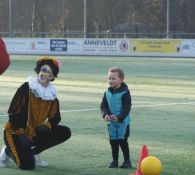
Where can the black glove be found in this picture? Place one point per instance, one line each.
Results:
(41, 131)
(24, 140)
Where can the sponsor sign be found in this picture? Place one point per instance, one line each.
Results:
(155, 46)
(93, 46)
(58, 45)
(100, 46)
(124, 46)
(27, 45)
(188, 47)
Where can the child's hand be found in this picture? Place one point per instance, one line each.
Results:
(113, 118)
(107, 118)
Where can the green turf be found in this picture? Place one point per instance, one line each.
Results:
(163, 99)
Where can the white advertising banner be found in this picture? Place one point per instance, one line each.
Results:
(105, 46)
(188, 48)
(27, 45)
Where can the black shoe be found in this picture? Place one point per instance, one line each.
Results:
(126, 164)
(113, 164)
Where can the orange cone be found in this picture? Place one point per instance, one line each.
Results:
(144, 153)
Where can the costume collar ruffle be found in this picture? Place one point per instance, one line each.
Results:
(45, 93)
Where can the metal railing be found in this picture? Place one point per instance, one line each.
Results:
(106, 34)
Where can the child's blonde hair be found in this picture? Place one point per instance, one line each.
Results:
(119, 70)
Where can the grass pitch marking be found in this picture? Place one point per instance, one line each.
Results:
(138, 106)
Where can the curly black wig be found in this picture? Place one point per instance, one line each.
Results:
(51, 61)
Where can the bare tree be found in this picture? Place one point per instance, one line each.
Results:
(38, 17)
(190, 16)
(3, 16)
(41, 16)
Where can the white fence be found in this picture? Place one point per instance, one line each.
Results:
(110, 47)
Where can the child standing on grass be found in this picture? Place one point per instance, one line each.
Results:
(115, 108)
(34, 116)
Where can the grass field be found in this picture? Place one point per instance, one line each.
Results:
(163, 96)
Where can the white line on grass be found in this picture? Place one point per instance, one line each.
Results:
(165, 104)
(139, 106)
(65, 99)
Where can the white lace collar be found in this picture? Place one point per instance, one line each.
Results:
(45, 93)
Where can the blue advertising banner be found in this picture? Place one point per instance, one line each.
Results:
(58, 45)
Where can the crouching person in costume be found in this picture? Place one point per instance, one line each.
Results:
(34, 117)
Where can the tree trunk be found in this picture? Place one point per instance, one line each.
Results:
(38, 18)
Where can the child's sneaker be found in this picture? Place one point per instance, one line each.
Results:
(4, 159)
(126, 164)
(113, 164)
(39, 161)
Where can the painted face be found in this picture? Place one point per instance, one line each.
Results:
(114, 80)
(45, 75)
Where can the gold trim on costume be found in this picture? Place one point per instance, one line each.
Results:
(12, 147)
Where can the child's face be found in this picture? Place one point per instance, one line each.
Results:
(45, 75)
(114, 80)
